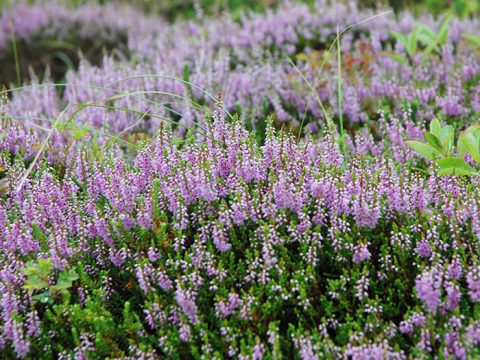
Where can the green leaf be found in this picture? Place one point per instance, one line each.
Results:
(399, 58)
(447, 138)
(471, 144)
(429, 49)
(475, 131)
(65, 280)
(30, 269)
(412, 43)
(60, 125)
(473, 39)
(443, 35)
(455, 166)
(433, 140)
(427, 40)
(436, 128)
(461, 147)
(45, 266)
(78, 183)
(41, 268)
(34, 282)
(443, 30)
(425, 31)
(155, 199)
(43, 297)
(79, 134)
(447, 131)
(426, 150)
(400, 38)
(457, 171)
(38, 234)
(68, 276)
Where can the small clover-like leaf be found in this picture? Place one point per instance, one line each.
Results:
(34, 282)
(65, 280)
(43, 297)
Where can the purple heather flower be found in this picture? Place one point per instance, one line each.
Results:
(226, 308)
(454, 269)
(361, 253)
(423, 248)
(21, 346)
(453, 295)
(258, 351)
(473, 282)
(428, 286)
(33, 329)
(186, 302)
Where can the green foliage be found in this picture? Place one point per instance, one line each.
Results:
(423, 39)
(461, 8)
(38, 276)
(77, 132)
(426, 150)
(409, 42)
(473, 42)
(455, 166)
(473, 39)
(439, 148)
(432, 40)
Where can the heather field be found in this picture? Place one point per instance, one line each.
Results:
(240, 179)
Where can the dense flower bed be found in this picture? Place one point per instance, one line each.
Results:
(248, 62)
(230, 249)
(128, 236)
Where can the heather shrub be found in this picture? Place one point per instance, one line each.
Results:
(230, 249)
(378, 72)
(197, 201)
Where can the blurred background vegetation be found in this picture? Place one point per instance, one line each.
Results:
(64, 55)
(173, 9)
(185, 8)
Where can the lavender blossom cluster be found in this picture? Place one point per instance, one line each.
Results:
(174, 70)
(124, 236)
(231, 249)
(52, 19)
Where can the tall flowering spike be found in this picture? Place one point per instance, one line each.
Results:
(473, 282)
(361, 253)
(330, 151)
(453, 295)
(21, 345)
(227, 307)
(428, 286)
(265, 233)
(186, 301)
